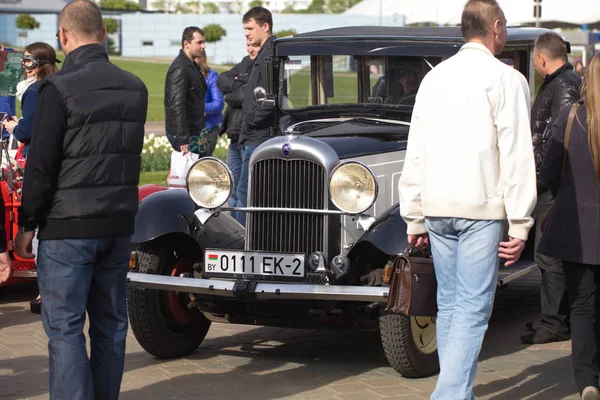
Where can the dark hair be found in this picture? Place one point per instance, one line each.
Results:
(261, 15)
(83, 18)
(188, 34)
(478, 17)
(43, 52)
(553, 45)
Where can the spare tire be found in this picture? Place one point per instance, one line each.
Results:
(409, 344)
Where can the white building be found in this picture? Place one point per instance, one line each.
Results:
(238, 6)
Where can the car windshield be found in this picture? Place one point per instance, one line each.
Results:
(344, 79)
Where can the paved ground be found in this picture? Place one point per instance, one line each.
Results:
(239, 362)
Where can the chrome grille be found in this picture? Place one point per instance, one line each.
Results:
(280, 183)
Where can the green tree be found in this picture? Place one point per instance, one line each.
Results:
(339, 6)
(164, 5)
(159, 5)
(125, 5)
(110, 46)
(288, 10)
(255, 3)
(182, 9)
(213, 33)
(210, 8)
(26, 21)
(285, 32)
(317, 7)
(110, 24)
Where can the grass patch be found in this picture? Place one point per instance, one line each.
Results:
(156, 177)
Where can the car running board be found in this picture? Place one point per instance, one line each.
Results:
(521, 268)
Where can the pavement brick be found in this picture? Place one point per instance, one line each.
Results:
(250, 362)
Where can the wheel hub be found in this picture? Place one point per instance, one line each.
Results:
(424, 334)
(177, 301)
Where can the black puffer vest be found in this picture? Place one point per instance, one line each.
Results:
(97, 193)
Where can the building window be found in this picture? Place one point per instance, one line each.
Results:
(147, 43)
(175, 43)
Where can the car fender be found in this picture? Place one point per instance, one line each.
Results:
(387, 233)
(169, 212)
(146, 190)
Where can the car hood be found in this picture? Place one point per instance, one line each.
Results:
(361, 137)
(358, 146)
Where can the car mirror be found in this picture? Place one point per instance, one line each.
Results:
(261, 97)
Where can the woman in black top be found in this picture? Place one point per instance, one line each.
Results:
(572, 231)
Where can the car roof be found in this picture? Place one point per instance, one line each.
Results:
(446, 33)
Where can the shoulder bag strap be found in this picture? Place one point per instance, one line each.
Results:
(572, 114)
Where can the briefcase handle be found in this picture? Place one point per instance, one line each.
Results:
(421, 251)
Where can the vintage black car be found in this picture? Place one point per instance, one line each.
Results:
(323, 219)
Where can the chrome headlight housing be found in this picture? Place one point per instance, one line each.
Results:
(353, 187)
(209, 182)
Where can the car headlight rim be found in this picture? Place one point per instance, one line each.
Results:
(369, 173)
(224, 196)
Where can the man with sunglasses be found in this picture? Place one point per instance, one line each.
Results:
(80, 189)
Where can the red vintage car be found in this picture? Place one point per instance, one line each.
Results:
(11, 179)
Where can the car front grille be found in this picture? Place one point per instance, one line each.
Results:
(278, 183)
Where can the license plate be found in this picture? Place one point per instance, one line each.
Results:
(249, 264)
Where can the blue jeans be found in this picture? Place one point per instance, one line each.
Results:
(75, 275)
(466, 267)
(242, 188)
(234, 162)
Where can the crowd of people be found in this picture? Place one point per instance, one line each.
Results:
(525, 164)
(195, 97)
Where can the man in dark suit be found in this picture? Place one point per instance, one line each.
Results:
(560, 89)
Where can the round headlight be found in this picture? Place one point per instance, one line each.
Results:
(353, 187)
(209, 182)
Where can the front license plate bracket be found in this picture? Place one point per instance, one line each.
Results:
(244, 290)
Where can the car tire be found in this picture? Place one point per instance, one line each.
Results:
(409, 344)
(153, 321)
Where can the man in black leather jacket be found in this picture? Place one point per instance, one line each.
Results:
(560, 89)
(258, 119)
(185, 89)
(231, 84)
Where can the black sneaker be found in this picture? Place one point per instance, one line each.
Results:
(35, 306)
(543, 336)
(533, 326)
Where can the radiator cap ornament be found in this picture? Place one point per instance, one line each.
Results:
(286, 149)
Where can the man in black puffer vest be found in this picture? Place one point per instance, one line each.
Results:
(80, 189)
(560, 89)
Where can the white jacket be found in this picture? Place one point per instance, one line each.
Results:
(469, 152)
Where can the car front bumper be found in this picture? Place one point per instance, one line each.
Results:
(258, 290)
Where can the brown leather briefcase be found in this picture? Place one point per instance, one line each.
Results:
(413, 286)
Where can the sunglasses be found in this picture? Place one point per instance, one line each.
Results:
(30, 62)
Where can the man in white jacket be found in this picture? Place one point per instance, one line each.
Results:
(469, 166)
